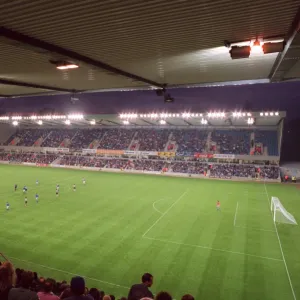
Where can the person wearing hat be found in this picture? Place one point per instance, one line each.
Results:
(78, 289)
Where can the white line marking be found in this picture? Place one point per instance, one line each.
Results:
(236, 210)
(279, 241)
(210, 248)
(253, 228)
(178, 199)
(66, 272)
(153, 205)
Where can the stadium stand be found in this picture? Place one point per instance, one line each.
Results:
(268, 139)
(184, 141)
(232, 141)
(153, 139)
(116, 139)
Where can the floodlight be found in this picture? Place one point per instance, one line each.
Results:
(93, 122)
(15, 123)
(237, 52)
(261, 114)
(271, 114)
(277, 113)
(40, 122)
(162, 122)
(126, 122)
(67, 122)
(248, 114)
(273, 47)
(256, 47)
(266, 114)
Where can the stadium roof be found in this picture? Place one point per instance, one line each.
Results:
(217, 119)
(139, 44)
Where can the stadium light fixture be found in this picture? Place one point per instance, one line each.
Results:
(4, 118)
(40, 122)
(237, 52)
(67, 122)
(162, 122)
(126, 122)
(15, 123)
(256, 47)
(273, 47)
(93, 122)
(271, 113)
(261, 114)
(250, 121)
(16, 118)
(248, 114)
(277, 113)
(64, 65)
(266, 114)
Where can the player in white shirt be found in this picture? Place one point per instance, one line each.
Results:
(7, 206)
(37, 182)
(74, 188)
(83, 181)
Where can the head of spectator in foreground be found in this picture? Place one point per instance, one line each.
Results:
(7, 276)
(187, 297)
(77, 286)
(26, 279)
(94, 293)
(48, 285)
(163, 296)
(147, 279)
(106, 297)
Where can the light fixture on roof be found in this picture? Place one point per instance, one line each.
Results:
(250, 121)
(40, 122)
(15, 123)
(93, 122)
(266, 114)
(237, 52)
(68, 122)
(126, 122)
(248, 114)
(261, 114)
(4, 118)
(203, 121)
(277, 113)
(271, 113)
(162, 122)
(64, 65)
(273, 47)
(256, 47)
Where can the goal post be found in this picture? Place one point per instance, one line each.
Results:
(280, 214)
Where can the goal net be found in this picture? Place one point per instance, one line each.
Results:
(280, 214)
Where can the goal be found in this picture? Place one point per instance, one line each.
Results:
(280, 214)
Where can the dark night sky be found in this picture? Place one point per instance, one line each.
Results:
(276, 96)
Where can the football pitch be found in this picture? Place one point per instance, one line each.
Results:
(119, 226)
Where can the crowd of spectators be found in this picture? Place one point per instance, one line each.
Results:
(157, 165)
(36, 158)
(83, 138)
(190, 141)
(116, 139)
(153, 139)
(57, 136)
(232, 141)
(21, 284)
(269, 172)
(28, 137)
(146, 165)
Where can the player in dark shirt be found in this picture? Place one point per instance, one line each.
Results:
(141, 290)
(16, 186)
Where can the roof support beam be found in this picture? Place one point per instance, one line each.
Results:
(295, 27)
(34, 42)
(34, 85)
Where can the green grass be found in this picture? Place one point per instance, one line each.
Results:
(119, 226)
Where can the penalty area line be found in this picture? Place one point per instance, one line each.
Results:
(70, 273)
(210, 248)
(236, 210)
